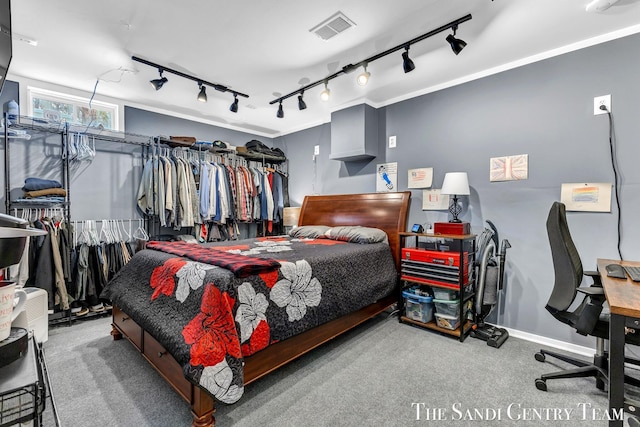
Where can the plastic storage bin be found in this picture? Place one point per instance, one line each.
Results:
(446, 321)
(444, 294)
(448, 307)
(418, 307)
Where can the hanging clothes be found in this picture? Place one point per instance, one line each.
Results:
(47, 272)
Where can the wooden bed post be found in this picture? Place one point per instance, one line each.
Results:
(115, 333)
(202, 409)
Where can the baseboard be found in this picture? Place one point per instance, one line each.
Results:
(550, 342)
(588, 352)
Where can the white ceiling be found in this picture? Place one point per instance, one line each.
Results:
(264, 49)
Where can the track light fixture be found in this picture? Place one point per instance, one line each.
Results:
(456, 44)
(234, 105)
(363, 78)
(301, 104)
(280, 111)
(202, 96)
(407, 64)
(158, 83)
(326, 93)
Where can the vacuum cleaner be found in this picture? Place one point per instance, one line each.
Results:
(490, 265)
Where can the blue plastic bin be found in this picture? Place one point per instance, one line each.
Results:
(418, 307)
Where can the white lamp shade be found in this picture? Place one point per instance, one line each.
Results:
(455, 183)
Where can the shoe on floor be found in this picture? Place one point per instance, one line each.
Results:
(97, 308)
(82, 311)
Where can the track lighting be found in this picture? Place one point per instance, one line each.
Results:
(326, 93)
(301, 104)
(456, 44)
(158, 83)
(202, 96)
(363, 78)
(234, 105)
(280, 111)
(407, 63)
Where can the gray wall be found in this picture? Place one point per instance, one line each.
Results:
(545, 110)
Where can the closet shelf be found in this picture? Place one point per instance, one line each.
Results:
(173, 143)
(38, 125)
(40, 204)
(249, 155)
(43, 125)
(261, 157)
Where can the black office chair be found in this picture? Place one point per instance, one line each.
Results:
(586, 319)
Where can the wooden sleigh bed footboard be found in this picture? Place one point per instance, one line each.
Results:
(256, 366)
(387, 211)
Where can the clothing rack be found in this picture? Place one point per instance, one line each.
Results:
(32, 214)
(112, 229)
(88, 138)
(195, 154)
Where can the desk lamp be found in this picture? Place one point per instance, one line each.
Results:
(455, 184)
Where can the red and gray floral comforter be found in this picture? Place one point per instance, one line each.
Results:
(209, 317)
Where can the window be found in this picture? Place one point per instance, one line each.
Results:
(60, 107)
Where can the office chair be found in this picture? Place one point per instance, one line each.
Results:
(586, 319)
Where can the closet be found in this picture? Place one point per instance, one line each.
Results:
(199, 190)
(75, 258)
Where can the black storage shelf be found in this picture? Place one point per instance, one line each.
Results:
(465, 288)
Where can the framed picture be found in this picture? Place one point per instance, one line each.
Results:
(586, 197)
(509, 168)
(432, 200)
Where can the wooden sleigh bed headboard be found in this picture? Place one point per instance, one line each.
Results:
(386, 211)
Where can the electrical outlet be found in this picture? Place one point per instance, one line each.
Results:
(601, 100)
(392, 141)
(316, 150)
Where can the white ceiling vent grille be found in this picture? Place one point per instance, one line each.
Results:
(332, 26)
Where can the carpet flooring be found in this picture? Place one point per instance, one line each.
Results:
(379, 374)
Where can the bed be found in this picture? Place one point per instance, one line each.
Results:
(213, 318)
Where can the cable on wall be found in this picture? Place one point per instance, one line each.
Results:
(615, 176)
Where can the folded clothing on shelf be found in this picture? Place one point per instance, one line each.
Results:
(40, 200)
(258, 149)
(34, 184)
(46, 192)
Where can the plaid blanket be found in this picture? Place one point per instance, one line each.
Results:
(240, 265)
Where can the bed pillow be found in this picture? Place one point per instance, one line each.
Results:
(357, 234)
(309, 231)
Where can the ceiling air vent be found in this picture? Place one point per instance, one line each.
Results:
(332, 26)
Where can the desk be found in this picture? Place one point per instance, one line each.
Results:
(623, 296)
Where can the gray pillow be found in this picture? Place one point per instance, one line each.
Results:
(309, 231)
(357, 234)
